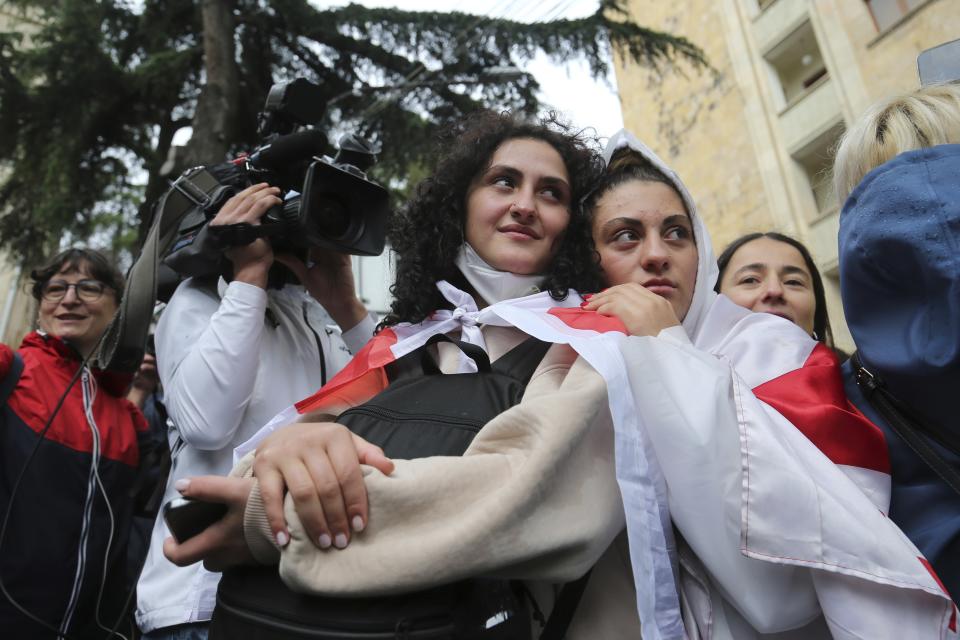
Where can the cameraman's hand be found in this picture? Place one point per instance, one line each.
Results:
(251, 263)
(329, 279)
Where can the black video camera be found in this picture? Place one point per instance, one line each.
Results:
(327, 202)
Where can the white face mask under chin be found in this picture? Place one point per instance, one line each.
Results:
(493, 285)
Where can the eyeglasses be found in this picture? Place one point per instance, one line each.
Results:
(86, 290)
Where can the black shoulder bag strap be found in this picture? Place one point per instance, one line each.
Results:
(521, 361)
(472, 351)
(10, 380)
(908, 428)
(564, 608)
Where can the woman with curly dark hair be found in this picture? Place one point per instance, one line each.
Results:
(533, 497)
(430, 236)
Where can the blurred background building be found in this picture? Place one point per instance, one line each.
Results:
(755, 141)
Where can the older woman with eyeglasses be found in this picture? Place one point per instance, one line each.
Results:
(68, 454)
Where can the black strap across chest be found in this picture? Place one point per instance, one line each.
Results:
(910, 427)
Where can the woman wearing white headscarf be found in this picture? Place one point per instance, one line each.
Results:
(744, 443)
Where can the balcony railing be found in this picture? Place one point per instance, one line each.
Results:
(810, 114)
(777, 20)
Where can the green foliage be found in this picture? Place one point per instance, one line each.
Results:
(91, 98)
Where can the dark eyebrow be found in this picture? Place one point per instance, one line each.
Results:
(516, 173)
(637, 224)
(503, 168)
(676, 218)
(756, 266)
(760, 266)
(793, 269)
(622, 222)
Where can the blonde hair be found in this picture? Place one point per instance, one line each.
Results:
(926, 117)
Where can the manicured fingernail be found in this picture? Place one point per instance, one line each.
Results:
(324, 541)
(182, 484)
(357, 524)
(282, 538)
(340, 541)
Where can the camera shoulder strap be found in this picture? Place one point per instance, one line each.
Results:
(123, 343)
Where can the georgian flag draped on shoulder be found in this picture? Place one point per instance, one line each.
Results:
(831, 446)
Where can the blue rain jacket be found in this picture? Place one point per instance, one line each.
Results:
(900, 282)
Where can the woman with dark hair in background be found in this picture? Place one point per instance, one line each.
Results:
(65, 500)
(534, 497)
(774, 273)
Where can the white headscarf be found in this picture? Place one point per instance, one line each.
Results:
(716, 326)
(707, 270)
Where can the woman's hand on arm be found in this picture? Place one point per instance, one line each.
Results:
(643, 312)
(319, 465)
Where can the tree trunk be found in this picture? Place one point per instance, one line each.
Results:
(214, 122)
(215, 118)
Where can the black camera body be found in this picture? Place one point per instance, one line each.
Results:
(327, 202)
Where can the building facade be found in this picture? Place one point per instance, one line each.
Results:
(754, 139)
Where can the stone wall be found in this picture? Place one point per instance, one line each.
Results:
(697, 120)
(723, 131)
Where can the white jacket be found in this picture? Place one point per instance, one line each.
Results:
(228, 360)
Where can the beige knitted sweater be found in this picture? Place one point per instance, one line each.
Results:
(534, 498)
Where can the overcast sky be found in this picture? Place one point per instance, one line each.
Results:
(568, 88)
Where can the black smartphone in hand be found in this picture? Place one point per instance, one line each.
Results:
(186, 517)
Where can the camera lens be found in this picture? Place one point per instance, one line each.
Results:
(333, 216)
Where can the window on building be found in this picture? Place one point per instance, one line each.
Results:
(373, 276)
(886, 13)
(797, 63)
(815, 162)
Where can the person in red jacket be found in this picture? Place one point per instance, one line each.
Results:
(65, 470)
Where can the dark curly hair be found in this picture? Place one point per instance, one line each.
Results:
(428, 233)
(78, 259)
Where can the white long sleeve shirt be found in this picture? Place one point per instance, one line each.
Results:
(229, 361)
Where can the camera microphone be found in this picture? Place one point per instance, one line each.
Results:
(290, 149)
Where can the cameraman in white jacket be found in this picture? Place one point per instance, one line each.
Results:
(230, 356)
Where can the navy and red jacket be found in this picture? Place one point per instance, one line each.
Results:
(59, 528)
